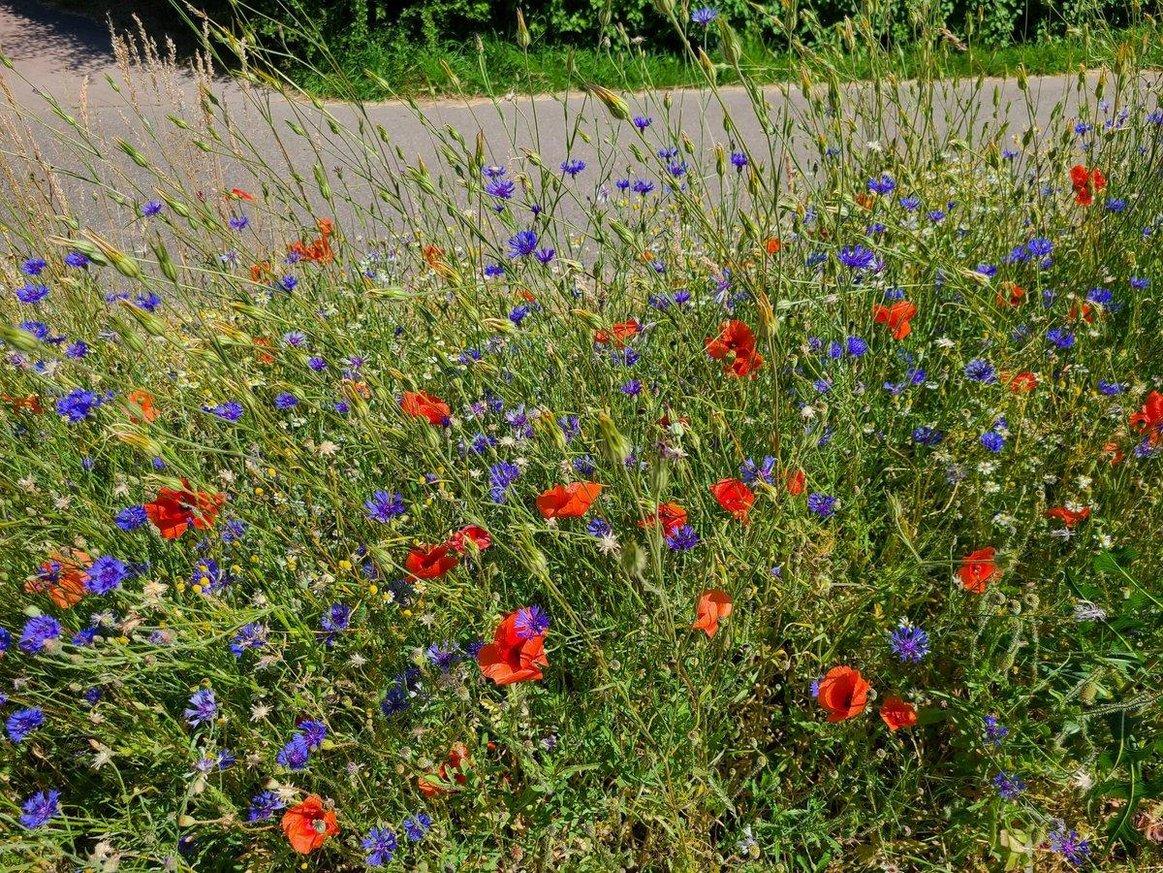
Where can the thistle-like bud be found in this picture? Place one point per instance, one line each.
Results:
(523, 37)
(615, 104)
(615, 447)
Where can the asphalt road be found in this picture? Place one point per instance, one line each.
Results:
(69, 58)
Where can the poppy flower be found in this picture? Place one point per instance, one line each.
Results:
(713, 605)
(143, 400)
(1149, 420)
(1023, 383)
(309, 825)
(735, 344)
(478, 536)
(773, 245)
(517, 652)
(977, 569)
(173, 512)
(896, 317)
(430, 562)
(734, 496)
(897, 714)
(62, 576)
(28, 402)
(420, 404)
(264, 357)
(671, 516)
(1114, 452)
(620, 332)
(439, 782)
(1086, 183)
(568, 501)
(261, 272)
(795, 482)
(1011, 294)
(1069, 517)
(239, 194)
(356, 388)
(865, 199)
(843, 692)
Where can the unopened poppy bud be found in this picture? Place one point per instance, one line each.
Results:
(720, 160)
(153, 325)
(591, 320)
(18, 339)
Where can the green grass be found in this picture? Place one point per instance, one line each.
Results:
(403, 69)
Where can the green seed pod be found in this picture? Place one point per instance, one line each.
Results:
(615, 447)
(617, 107)
(523, 37)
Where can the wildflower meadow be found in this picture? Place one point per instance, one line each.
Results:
(783, 502)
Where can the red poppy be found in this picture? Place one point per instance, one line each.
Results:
(1011, 294)
(320, 249)
(1086, 183)
(439, 783)
(734, 496)
(843, 692)
(309, 825)
(896, 317)
(568, 501)
(261, 272)
(795, 482)
(897, 714)
(735, 344)
(478, 536)
(239, 194)
(1149, 420)
(29, 402)
(143, 400)
(866, 199)
(420, 404)
(1085, 312)
(264, 357)
(517, 652)
(430, 562)
(670, 515)
(172, 512)
(1023, 383)
(62, 576)
(620, 332)
(977, 569)
(1069, 517)
(713, 605)
(1113, 451)
(773, 245)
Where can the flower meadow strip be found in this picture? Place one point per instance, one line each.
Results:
(713, 531)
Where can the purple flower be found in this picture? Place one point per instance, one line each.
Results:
(203, 707)
(249, 636)
(859, 258)
(33, 266)
(823, 505)
(263, 806)
(642, 122)
(23, 722)
(380, 845)
(993, 441)
(40, 809)
(909, 643)
(572, 167)
(77, 260)
(1009, 786)
(230, 411)
(33, 292)
(994, 732)
(314, 732)
(416, 826)
(286, 400)
(37, 632)
(1068, 844)
(384, 506)
(105, 575)
(683, 540)
(336, 620)
(151, 208)
(884, 185)
(78, 405)
(980, 370)
(295, 754)
(532, 621)
(522, 244)
(704, 15)
(131, 518)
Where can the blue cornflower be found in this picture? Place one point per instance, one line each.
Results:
(682, 540)
(935, 215)
(532, 621)
(203, 707)
(1040, 247)
(249, 636)
(1068, 844)
(317, 363)
(750, 471)
(239, 222)
(443, 655)
(988, 270)
(739, 161)
(517, 313)
(823, 505)
(642, 187)
(37, 328)
(295, 754)
(1060, 337)
(296, 339)
(77, 350)
(33, 266)
(33, 292)
(314, 732)
(980, 370)
(263, 806)
(572, 167)
(993, 441)
(1110, 389)
(502, 189)
(642, 121)
(570, 426)
(151, 208)
(39, 630)
(23, 722)
(335, 620)
(884, 185)
(384, 506)
(78, 405)
(704, 15)
(40, 809)
(632, 388)
(1140, 284)
(395, 701)
(493, 172)
(286, 400)
(1009, 786)
(1116, 204)
(77, 260)
(106, 574)
(5, 645)
(858, 257)
(909, 642)
(288, 283)
(209, 578)
(131, 518)
(927, 436)
(522, 244)
(856, 346)
(501, 475)
(911, 202)
(230, 411)
(416, 826)
(599, 527)
(380, 845)
(1101, 296)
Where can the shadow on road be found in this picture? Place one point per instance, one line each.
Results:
(47, 40)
